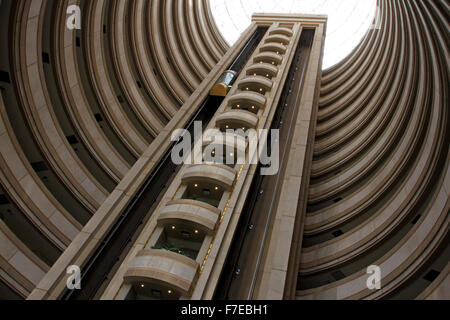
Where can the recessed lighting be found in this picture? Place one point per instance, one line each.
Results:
(246, 89)
(216, 188)
(196, 185)
(260, 89)
(238, 105)
(142, 285)
(196, 231)
(169, 291)
(173, 227)
(227, 126)
(253, 107)
(267, 75)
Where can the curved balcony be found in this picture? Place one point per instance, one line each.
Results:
(218, 174)
(232, 140)
(248, 98)
(264, 69)
(237, 119)
(281, 30)
(277, 38)
(274, 47)
(256, 83)
(164, 269)
(268, 57)
(196, 214)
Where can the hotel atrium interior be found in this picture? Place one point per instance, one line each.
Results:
(94, 207)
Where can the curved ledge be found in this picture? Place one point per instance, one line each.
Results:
(251, 98)
(105, 93)
(281, 30)
(79, 110)
(268, 57)
(197, 214)
(274, 47)
(20, 266)
(237, 118)
(231, 140)
(277, 38)
(163, 268)
(255, 82)
(29, 192)
(219, 174)
(266, 69)
(379, 158)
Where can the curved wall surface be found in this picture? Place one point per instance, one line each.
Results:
(78, 108)
(379, 189)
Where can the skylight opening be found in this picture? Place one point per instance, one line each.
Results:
(348, 20)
